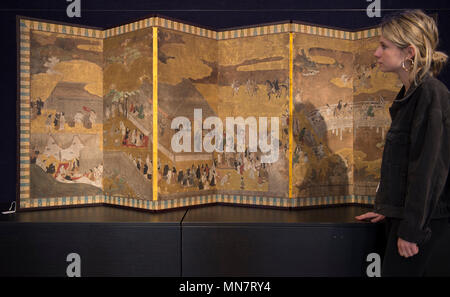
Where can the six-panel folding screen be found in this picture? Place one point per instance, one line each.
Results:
(158, 114)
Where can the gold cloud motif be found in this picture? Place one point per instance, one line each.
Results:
(42, 85)
(90, 47)
(82, 71)
(342, 82)
(95, 88)
(265, 66)
(243, 49)
(322, 59)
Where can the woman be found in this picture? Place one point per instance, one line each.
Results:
(414, 190)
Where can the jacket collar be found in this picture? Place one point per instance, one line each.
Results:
(402, 98)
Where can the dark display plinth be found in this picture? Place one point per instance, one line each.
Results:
(230, 241)
(207, 241)
(110, 242)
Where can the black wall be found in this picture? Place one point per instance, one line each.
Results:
(349, 14)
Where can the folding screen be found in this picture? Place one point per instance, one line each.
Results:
(158, 114)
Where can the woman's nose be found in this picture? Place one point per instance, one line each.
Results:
(377, 53)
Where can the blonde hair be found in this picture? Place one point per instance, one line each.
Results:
(415, 28)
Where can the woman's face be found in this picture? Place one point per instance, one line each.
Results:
(389, 56)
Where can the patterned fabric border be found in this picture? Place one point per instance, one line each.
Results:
(61, 201)
(181, 27)
(64, 29)
(315, 30)
(196, 201)
(244, 32)
(25, 112)
(237, 200)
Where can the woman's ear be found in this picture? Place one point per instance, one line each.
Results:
(411, 52)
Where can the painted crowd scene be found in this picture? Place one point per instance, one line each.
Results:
(66, 105)
(91, 115)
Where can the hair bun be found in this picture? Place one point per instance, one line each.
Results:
(439, 57)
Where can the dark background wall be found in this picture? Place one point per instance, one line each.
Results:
(348, 14)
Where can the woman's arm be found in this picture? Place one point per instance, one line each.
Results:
(425, 169)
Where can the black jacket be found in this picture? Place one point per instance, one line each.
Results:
(415, 183)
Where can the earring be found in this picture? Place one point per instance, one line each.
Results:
(412, 64)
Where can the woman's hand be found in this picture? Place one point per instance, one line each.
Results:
(407, 249)
(372, 216)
